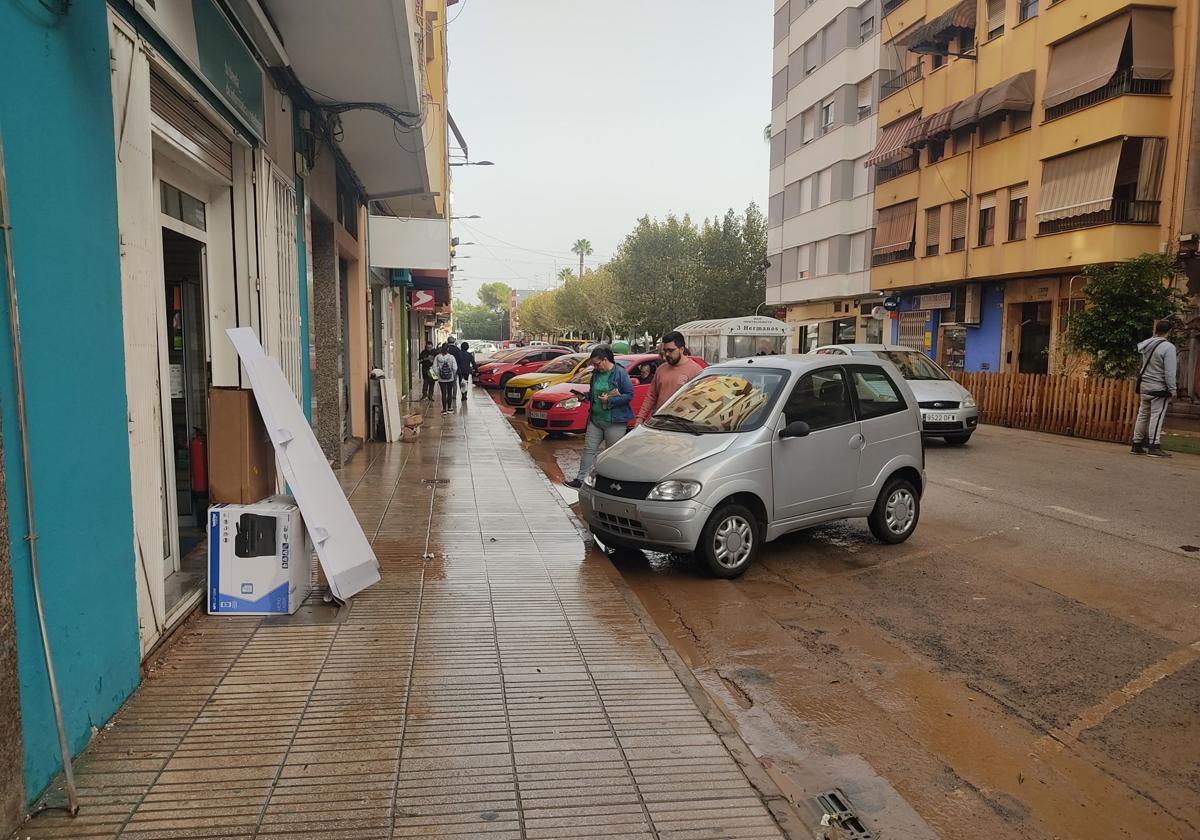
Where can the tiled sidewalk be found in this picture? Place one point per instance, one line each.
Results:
(496, 684)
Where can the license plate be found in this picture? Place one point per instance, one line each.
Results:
(616, 509)
(514, 395)
(537, 415)
(940, 418)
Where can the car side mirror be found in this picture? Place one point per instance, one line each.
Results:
(635, 380)
(795, 429)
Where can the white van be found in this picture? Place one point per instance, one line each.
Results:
(722, 339)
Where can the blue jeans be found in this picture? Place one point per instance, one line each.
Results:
(598, 433)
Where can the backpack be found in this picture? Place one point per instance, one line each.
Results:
(445, 370)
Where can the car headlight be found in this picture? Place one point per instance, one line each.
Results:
(968, 401)
(569, 403)
(590, 479)
(540, 386)
(674, 491)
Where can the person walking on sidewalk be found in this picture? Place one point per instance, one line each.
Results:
(446, 368)
(669, 378)
(609, 397)
(1156, 384)
(466, 367)
(425, 363)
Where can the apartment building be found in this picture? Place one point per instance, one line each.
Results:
(825, 92)
(1019, 141)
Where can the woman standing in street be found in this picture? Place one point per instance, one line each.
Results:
(609, 413)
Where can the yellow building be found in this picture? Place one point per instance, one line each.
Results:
(1021, 140)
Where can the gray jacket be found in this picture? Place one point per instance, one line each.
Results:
(1159, 365)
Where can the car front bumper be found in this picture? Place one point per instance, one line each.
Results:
(662, 526)
(938, 422)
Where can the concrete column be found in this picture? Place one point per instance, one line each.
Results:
(327, 332)
(12, 777)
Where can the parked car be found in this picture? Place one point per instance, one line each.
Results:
(496, 373)
(948, 410)
(561, 408)
(481, 349)
(519, 389)
(753, 449)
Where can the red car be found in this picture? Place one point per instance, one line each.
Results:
(560, 409)
(496, 374)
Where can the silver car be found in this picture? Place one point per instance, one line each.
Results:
(753, 449)
(948, 410)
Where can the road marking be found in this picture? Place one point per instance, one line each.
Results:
(970, 484)
(1070, 512)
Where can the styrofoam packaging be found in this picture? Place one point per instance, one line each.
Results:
(259, 558)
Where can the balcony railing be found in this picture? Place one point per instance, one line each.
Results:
(899, 82)
(888, 171)
(1121, 84)
(1121, 213)
(894, 256)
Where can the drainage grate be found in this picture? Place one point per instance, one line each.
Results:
(837, 807)
(435, 482)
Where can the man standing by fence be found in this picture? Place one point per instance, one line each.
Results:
(1156, 384)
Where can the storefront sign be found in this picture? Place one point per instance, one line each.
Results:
(940, 300)
(891, 303)
(422, 301)
(401, 277)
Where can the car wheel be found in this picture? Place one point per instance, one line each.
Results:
(504, 379)
(957, 440)
(896, 512)
(729, 541)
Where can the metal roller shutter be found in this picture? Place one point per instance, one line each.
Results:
(188, 128)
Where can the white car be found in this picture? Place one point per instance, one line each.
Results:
(948, 410)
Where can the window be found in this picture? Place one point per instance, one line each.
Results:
(1019, 121)
(1028, 9)
(820, 399)
(1018, 211)
(958, 225)
(858, 251)
(824, 187)
(806, 194)
(876, 392)
(864, 99)
(812, 55)
(781, 23)
(937, 60)
(866, 29)
(179, 205)
(822, 254)
(861, 177)
(807, 126)
(933, 231)
(962, 140)
(989, 131)
(995, 18)
(827, 109)
(987, 219)
(936, 150)
(845, 331)
(791, 200)
(803, 261)
(1117, 182)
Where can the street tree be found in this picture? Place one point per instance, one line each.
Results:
(1123, 301)
(495, 296)
(477, 321)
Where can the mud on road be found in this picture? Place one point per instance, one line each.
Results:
(1026, 666)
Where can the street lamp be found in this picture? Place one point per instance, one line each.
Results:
(474, 163)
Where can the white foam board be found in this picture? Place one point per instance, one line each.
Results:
(342, 547)
(393, 423)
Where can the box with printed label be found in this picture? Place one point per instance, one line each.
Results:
(259, 558)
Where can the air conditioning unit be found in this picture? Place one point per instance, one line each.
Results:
(972, 303)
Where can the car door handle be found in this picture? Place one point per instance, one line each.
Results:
(858, 442)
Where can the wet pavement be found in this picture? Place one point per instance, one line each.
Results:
(1026, 666)
(498, 683)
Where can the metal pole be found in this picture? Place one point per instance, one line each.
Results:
(31, 535)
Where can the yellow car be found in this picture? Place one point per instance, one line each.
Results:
(520, 389)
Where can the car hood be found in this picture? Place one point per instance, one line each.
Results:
(527, 380)
(561, 391)
(653, 454)
(932, 390)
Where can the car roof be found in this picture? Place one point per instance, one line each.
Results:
(801, 363)
(888, 348)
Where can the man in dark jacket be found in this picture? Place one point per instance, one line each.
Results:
(466, 367)
(609, 412)
(425, 363)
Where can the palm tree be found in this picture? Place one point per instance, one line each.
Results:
(584, 249)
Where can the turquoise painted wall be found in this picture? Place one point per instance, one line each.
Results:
(57, 129)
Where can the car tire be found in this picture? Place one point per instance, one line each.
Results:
(896, 513)
(504, 380)
(957, 440)
(730, 541)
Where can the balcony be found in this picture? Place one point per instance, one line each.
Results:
(899, 82)
(1121, 213)
(889, 171)
(1122, 84)
(894, 256)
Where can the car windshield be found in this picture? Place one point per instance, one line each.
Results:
(912, 365)
(563, 364)
(726, 401)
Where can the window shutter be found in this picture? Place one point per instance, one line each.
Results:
(987, 202)
(958, 220)
(1018, 192)
(933, 225)
(995, 15)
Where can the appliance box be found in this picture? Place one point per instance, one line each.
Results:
(259, 558)
(241, 460)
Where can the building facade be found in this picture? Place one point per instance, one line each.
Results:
(825, 94)
(1019, 142)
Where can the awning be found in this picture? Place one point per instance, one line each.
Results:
(891, 140)
(1153, 47)
(895, 227)
(967, 112)
(939, 123)
(942, 29)
(1079, 183)
(1014, 94)
(917, 134)
(1086, 62)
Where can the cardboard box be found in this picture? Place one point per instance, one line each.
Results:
(241, 459)
(413, 421)
(259, 558)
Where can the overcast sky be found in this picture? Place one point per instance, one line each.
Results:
(597, 112)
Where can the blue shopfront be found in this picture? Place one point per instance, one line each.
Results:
(960, 327)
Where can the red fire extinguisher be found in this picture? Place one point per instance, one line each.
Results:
(198, 455)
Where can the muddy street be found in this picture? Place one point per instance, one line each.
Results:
(1026, 666)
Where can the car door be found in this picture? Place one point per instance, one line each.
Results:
(819, 471)
(885, 419)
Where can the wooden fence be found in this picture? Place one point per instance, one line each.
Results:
(1101, 409)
